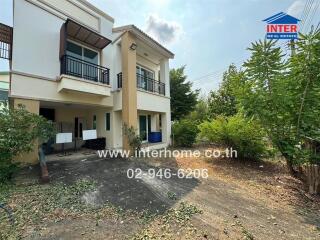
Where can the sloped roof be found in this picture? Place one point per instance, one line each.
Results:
(281, 18)
(145, 37)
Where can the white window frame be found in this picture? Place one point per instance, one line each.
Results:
(147, 69)
(141, 81)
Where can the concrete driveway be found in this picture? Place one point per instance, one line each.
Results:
(227, 208)
(145, 193)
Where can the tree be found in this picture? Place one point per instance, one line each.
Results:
(201, 111)
(184, 132)
(304, 72)
(19, 129)
(242, 134)
(284, 96)
(183, 98)
(223, 101)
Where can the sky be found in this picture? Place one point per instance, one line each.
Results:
(205, 35)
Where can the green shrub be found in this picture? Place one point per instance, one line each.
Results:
(134, 140)
(184, 133)
(18, 131)
(243, 135)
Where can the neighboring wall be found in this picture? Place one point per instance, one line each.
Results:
(4, 87)
(4, 81)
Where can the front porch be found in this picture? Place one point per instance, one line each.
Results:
(74, 119)
(150, 129)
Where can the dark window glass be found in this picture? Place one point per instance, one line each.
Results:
(74, 50)
(90, 56)
(94, 122)
(76, 127)
(149, 123)
(108, 121)
(90, 71)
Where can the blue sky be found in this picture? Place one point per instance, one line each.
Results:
(205, 35)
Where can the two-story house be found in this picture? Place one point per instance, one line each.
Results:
(71, 65)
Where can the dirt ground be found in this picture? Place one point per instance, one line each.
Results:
(239, 200)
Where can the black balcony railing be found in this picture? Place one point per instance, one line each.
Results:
(150, 85)
(145, 83)
(79, 68)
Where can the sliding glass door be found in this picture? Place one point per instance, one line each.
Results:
(83, 61)
(144, 78)
(143, 130)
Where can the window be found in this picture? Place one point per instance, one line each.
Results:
(94, 122)
(144, 78)
(107, 121)
(82, 53)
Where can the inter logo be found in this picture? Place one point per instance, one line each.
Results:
(282, 26)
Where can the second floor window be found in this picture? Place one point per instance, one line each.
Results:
(144, 78)
(81, 53)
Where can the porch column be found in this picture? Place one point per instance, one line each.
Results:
(129, 85)
(164, 75)
(32, 106)
(166, 127)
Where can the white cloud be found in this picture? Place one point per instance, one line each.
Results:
(164, 31)
(296, 8)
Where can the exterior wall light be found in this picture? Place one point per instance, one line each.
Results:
(133, 46)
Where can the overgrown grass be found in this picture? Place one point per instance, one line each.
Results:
(36, 205)
(32, 204)
(173, 219)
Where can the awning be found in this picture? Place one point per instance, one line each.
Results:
(85, 35)
(5, 41)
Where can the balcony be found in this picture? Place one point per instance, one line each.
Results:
(145, 83)
(83, 77)
(82, 69)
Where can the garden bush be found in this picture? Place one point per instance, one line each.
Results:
(237, 132)
(184, 133)
(19, 130)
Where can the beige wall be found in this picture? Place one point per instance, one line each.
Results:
(4, 78)
(129, 87)
(101, 124)
(117, 129)
(33, 107)
(47, 90)
(78, 85)
(83, 15)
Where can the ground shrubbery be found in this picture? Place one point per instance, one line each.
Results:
(184, 133)
(243, 135)
(19, 129)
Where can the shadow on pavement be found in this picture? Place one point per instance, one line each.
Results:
(155, 195)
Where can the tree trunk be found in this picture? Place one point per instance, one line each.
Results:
(312, 172)
(291, 170)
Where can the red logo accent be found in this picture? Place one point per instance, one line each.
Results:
(281, 28)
